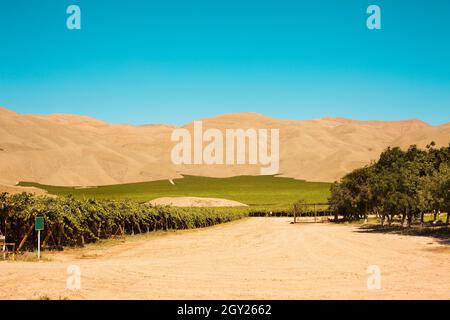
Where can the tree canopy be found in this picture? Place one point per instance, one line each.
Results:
(401, 183)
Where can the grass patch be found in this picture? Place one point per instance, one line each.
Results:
(256, 191)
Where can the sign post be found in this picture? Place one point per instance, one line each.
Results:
(39, 226)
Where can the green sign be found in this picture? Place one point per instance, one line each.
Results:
(39, 223)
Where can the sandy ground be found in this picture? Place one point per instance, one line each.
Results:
(195, 202)
(19, 189)
(256, 258)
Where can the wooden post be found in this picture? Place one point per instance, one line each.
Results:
(3, 244)
(25, 237)
(295, 213)
(46, 239)
(99, 230)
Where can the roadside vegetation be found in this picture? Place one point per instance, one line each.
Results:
(74, 222)
(402, 187)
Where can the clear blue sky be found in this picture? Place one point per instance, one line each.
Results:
(175, 61)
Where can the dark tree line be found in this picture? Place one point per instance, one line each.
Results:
(401, 184)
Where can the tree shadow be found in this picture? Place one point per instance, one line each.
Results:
(441, 233)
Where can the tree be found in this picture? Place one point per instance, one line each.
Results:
(352, 196)
(401, 183)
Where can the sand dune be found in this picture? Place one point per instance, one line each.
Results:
(17, 189)
(81, 151)
(195, 202)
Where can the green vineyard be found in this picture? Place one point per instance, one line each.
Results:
(73, 222)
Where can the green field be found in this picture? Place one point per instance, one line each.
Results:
(256, 191)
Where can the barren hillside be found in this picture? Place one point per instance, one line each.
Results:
(78, 150)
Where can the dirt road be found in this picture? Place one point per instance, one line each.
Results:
(256, 258)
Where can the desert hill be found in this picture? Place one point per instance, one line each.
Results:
(78, 150)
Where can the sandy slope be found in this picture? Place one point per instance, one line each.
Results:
(17, 189)
(257, 258)
(77, 150)
(195, 202)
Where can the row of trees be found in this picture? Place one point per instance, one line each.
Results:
(72, 222)
(401, 184)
